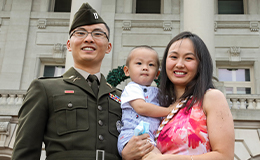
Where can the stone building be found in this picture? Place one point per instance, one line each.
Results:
(33, 36)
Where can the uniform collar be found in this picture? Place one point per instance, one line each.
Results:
(73, 77)
(86, 74)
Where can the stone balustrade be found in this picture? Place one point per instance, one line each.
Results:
(11, 97)
(236, 101)
(244, 101)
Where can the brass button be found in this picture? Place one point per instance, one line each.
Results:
(100, 122)
(70, 105)
(100, 108)
(100, 137)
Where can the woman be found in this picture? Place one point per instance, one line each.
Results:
(201, 126)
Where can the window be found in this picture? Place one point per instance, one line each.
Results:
(60, 5)
(236, 80)
(230, 7)
(148, 6)
(234, 75)
(53, 71)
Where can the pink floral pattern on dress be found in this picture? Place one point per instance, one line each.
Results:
(185, 133)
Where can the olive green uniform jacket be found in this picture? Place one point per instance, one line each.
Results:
(64, 113)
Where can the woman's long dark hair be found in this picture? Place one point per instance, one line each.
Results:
(201, 82)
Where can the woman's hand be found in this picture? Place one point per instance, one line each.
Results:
(137, 147)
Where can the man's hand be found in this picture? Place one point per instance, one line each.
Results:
(137, 147)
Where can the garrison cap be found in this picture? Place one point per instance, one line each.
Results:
(86, 15)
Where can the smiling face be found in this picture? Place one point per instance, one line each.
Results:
(143, 66)
(87, 52)
(181, 63)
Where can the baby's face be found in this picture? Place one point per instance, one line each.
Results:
(143, 67)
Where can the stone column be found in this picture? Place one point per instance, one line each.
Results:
(15, 39)
(44, 5)
(167, 7)
(199, 19)
(252, 7)
(128, 6)
(96, 4)
(108, 14)
(2, 5)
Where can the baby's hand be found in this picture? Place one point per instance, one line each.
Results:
(172, 106)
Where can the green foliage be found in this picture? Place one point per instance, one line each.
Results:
(117, 75)
(157, 81)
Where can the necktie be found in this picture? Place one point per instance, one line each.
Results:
(94, 83)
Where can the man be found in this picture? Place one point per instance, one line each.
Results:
(77, 115)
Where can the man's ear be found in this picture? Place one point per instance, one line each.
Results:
(68, 45)
(109, 47)
(126, 71)
(157, 75)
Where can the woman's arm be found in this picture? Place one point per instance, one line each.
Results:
(220, 125)
(220, 129)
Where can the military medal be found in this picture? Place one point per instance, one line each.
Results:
(115, 98)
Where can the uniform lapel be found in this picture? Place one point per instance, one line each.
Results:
(74, 78)
(104, 87)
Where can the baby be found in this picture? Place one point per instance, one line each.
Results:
(139, 100)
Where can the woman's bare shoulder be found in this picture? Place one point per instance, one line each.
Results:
(214, 98)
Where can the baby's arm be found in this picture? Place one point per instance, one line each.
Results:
(149, 109)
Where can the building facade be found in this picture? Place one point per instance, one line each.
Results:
(33, 36)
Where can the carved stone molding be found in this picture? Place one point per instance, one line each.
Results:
(59, 52)
(42, 23)
(232, 25)
(59, 48)
(4, 129)
(57, 23)
(254, 26)
(215, 26)
(167, 25)
(126, 25)
(234, 53)
(147, 24)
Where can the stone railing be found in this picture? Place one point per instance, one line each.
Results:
(236, 101)
(244, 101)
(11, 97)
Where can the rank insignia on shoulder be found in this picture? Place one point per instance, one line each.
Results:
(71, 77)
(109, 85)
(75, 79)
(115, 97)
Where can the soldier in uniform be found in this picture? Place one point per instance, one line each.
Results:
(77, 115)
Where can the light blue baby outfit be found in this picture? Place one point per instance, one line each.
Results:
(130, 119)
